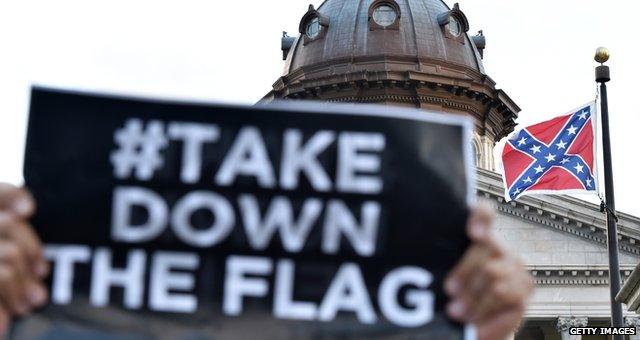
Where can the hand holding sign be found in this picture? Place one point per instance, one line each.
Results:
(22, 264)
(489, 286)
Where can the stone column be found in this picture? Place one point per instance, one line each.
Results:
(631, 321)
(565, 323)
(487, 146)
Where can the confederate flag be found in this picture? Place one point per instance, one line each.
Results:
(554, 157)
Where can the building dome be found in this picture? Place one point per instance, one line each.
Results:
(398, 52)
(420, 37)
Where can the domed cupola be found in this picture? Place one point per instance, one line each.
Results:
(398, 52)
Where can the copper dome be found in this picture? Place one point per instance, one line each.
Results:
(418, 39)
(397, 52)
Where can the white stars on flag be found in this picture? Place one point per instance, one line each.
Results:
(589, 183)
(522, 142)
(561, 145)
(536, 149)
(572, 130)
(539, 169)
(550, 158)
(528, 180)
(564, 161)
(583, 115)
(579, 168)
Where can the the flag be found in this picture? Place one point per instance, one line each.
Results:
(554, 157)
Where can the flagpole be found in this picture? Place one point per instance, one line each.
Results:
(602, 77)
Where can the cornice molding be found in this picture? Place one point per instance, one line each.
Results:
(563, 275)
(495, 113)
(409, 99)
(562, 213)
(455, 83)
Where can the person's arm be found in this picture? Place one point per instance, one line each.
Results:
(490, 286)
(22, 265)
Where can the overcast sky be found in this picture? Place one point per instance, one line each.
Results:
(540, 52)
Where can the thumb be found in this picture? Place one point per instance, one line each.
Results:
(16, 200)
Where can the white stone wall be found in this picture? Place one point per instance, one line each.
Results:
(542, 245)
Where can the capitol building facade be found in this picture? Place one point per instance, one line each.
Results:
(418, 53)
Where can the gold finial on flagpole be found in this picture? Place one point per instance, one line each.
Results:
(602, 55)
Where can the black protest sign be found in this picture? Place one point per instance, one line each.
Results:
(291, 220)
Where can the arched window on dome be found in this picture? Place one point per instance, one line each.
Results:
(313, 25)
(454, 27)
(454, 24)
(313, 28)
(384, 15)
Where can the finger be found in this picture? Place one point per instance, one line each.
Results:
(26, 237)
(12, 291)
(37, 294)
(32, 292)
(479, 228)
(16, 200)
(11, 255)
(479, 284)
(501, 325)
(492, 272)
(496, 247)
(479, 295)
(458, 277)
(499, 296)
(478, 222)
(457, 286)
(21, 234)
(503, 293)
(482, 215)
